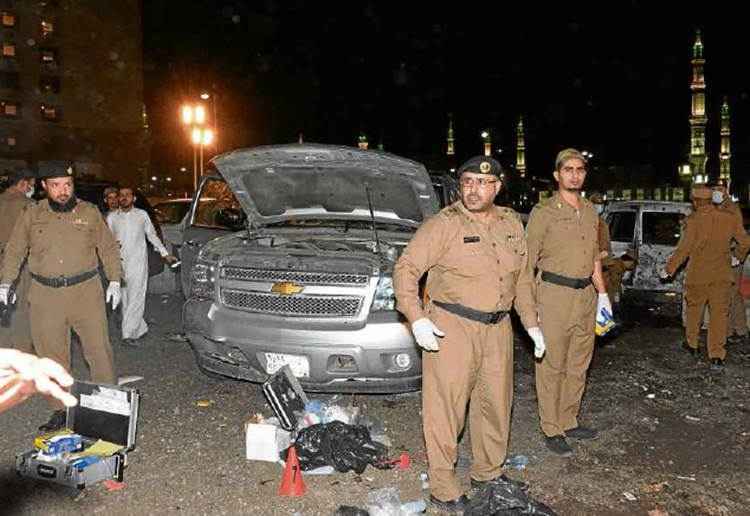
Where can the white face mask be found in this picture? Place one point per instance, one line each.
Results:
(717, 197)
(30, 193)
(599, 208)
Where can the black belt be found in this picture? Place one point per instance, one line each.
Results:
(551, 277)
(63, 281)
(470, 313)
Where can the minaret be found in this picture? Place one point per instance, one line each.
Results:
(520, 149)
(724, 164)
(450, 150)
(362, 141)
(487, 142)
(698, 117)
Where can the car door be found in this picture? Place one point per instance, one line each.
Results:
(660, 231)
(205, 222)
(621, 222)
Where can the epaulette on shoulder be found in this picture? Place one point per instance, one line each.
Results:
(451, 211)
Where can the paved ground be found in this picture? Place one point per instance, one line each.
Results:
(675, 438)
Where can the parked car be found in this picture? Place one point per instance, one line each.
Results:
(446, 188)
(302, 274)
(648, 231)
(172, 215)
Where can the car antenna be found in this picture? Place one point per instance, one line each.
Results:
(372, 218)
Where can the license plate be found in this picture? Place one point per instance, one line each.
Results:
(299, 365)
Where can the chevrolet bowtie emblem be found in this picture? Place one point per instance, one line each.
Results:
(287, 288)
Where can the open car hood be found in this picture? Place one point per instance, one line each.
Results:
(280, 183)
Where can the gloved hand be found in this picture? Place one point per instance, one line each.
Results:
(169, 259)
(4, 289)
(539, 346)
(113, 294)
(663, 274)
(603, 304)
(735, 262)
(424, 332)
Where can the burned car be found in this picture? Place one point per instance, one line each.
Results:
(307, 282)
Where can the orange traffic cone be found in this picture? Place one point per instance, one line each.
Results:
(292, 483)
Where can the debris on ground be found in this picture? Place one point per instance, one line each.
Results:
(113, 485)
(629, 496)
(503, 496)
(518, 462)
(387, 502)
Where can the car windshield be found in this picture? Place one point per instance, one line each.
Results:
(171, 212)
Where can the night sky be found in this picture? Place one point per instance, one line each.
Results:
(612, 78)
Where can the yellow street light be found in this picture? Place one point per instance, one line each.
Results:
(200, 114)
(196, 135)
(187, 115)
(208, 137)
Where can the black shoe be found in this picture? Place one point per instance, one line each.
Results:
(131, 343)
(480, 484)
(56, 422)
(717, 364)
(457, 505)
(558, 445)
(582, 433)
(693, 351)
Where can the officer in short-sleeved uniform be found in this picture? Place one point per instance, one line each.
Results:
(12, 203)
(476, 270)
(62, 240)
(706, 245)
(562, 235)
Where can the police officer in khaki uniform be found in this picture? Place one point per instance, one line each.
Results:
(62, 236)
(706, 245)
(562, 235)
(474, 254)
(737, 330)
(17, 334)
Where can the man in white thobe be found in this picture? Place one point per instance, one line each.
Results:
(131, 227)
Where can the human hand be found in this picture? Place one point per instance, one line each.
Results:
(170, 259)
(603, 303)
(4, 290)
(113, 294)
(425, 332)
(22, 375)
(663, 274)
(539, 345)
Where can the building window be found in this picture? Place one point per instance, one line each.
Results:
(11, 141)
(9, 50)
(48, 28)
(9, 80)
(50, 113)
(9, 109)
(49, 84)
(8, 19)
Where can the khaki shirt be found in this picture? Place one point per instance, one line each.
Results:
(61, 244)
(481, 266)
(706, 244)
(12, 204)
(563, 240)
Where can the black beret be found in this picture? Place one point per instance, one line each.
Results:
(481, 165)
(50, 169)
(16, 175)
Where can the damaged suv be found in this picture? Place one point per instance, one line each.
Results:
(307, 281)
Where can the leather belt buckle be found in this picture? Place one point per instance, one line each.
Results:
(63, 281)
(494, 318)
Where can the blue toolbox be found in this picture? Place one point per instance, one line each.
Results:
(100, 431)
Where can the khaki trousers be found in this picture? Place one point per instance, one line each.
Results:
(737, 317)
(55, 311)
(18, 334)
(717, 297)
(567, 319)
(475, 363)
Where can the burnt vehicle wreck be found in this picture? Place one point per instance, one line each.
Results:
(308, 281)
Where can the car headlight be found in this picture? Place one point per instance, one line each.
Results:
(202, 275)
(384, 298)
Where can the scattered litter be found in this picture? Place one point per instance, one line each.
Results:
(387, 502)
(425, 480)
(503, 496)
(350, 510)
(113, 485)
(323, 470)
(630, 496)
(264, 441)
(345, 447)
(286, 397)
(415, 507)
(177, 337)
(651, 396)
(204, 403)
(690, 479)
(657, 512)
(518, 462)
(656, 487)
(128, 379)
(692, 418)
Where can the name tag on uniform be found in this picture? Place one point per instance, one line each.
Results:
(471, 239)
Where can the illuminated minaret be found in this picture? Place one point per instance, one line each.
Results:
(698, 117)
(450, 148)
(362, 141)
(487, 142)
(724, 167)
(520, 149)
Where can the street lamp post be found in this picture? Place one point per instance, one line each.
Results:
(194, 116)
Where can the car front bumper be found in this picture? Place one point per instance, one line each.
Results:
(235, 343)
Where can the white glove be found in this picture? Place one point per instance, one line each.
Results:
(425, 331)
(4, 289)
(113, 294)
(735, 262)
(539, 346)
(603, 304)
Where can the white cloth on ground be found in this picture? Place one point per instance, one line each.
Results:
(131, 229)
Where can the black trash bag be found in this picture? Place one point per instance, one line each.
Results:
(350, 510)
(345, 447)
(505, 497)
